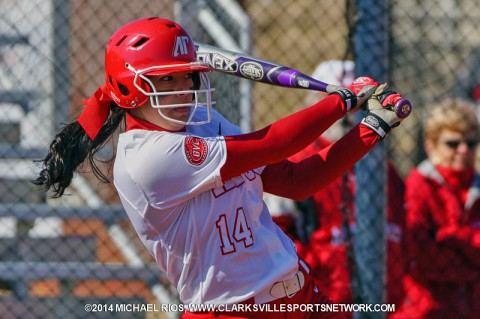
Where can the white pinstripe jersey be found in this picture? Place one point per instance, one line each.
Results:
(215, 241)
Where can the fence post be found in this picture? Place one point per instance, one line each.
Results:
(371, 57)
(61, 58)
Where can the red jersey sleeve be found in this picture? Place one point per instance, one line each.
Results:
(281, 139)
(301, 180)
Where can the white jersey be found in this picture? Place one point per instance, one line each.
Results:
(215, 241)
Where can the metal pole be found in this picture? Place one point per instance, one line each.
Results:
(61, 58)
(371, 52)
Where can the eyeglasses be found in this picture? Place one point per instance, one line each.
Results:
(453, 144)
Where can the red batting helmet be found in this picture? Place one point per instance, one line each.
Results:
(147, 47)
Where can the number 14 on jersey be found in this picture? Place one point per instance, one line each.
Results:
(241, 232)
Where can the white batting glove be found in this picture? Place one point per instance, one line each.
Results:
(386, 109)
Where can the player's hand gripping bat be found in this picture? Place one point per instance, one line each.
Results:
(252, 68)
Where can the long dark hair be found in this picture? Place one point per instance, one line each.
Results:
(70, 147)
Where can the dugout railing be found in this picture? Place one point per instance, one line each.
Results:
(68, 260)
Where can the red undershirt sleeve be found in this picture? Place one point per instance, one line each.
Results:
(300, 180)
(281, 139)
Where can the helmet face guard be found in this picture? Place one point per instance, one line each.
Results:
(201, 93)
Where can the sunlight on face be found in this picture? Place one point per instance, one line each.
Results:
(453, 149)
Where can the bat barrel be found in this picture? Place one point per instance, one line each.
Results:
(252, 68)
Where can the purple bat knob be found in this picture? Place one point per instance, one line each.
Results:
(403, 108)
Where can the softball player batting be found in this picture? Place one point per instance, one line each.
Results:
(192, 183)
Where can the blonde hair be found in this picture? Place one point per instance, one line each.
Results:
(455, 114)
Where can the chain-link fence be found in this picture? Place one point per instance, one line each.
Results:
(57, 255)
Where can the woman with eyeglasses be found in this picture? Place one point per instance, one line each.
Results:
(443, 218)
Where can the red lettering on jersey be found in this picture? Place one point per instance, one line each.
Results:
(228, 186)
(196, 150)
(235, 182)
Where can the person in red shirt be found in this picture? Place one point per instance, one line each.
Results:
(443, 218)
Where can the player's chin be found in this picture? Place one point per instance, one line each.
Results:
(181, 113)
(182, 110)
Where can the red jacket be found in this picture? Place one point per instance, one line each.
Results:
(443, 219)
(329, 245)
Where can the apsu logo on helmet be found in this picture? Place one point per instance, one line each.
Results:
(181, 46)
(196, 150)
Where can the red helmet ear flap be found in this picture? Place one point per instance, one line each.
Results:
(123, 89)
(124, 92)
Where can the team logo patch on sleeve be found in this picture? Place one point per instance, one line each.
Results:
(196, 150)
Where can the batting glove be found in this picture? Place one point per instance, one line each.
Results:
(386, 109)
(355, 95)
